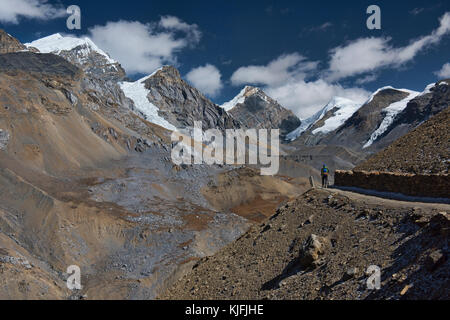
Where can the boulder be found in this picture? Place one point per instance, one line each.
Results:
(313, 251)
(435, 260)
(440, 224)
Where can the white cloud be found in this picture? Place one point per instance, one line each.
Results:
(306, 98)
(207, 79)
(174, 23)
(444, 72)
(284, 79)
(142, 48)
(369, 54)
(12, 10)
(288, 66)
(288, 78)
(366, 79)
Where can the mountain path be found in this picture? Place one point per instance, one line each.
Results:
(374, 200)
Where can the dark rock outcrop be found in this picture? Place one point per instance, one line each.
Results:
(313, 250)
(41, 64)
(94, 63)
(259, 111)
(182, 105)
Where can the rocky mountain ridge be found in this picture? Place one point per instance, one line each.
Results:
(389, 114)
(9, 44)
(181, 104)
(83, 53)
(255, 109)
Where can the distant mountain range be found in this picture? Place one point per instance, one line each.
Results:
(388, 114)
(165, 99)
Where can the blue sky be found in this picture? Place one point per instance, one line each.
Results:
(300, 52)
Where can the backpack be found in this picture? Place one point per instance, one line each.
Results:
(325, 171)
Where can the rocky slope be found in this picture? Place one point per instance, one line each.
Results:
(9, 44)
(425, 150)
(320, 247)
(86, 180)
(181, 104)
(254, 109)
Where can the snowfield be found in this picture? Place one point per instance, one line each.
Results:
(137, 92)
(240, 98)
(346, 108)
(57, 43)
(427, 89)
(391, 113)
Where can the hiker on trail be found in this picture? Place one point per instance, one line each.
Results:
(325, 172)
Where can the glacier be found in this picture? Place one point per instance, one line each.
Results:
(138, 93)
(346, 108)
(391, 113)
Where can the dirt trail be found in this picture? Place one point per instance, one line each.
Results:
(373, 200)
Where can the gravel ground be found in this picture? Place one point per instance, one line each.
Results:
(320, 247)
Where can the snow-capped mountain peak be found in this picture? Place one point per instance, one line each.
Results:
(253, 108)
(57, 43)
(373, 95)
(240, 98)
(345, 108)
(82, 52)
